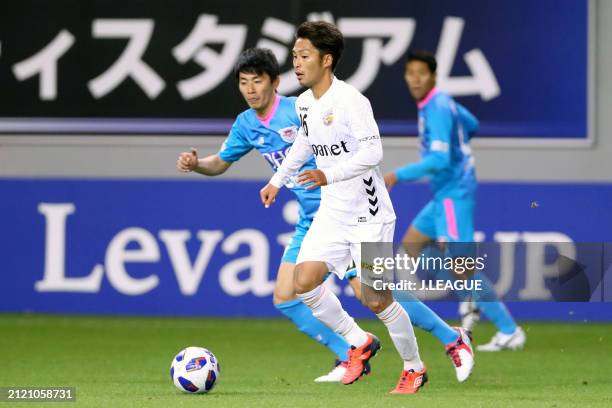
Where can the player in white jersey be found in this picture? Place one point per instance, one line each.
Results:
(338, 128)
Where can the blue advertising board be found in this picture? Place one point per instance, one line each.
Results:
(209, 248)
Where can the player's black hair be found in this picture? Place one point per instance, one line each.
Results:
(257, 61)
(325, 37)
(424, 56)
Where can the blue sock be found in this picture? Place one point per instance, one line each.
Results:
(302, 317)
(486, 299)
(492, 307)
(423, 317)
(488, 302)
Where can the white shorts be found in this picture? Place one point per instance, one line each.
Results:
(338, 244)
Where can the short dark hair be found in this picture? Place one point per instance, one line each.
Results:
(257, 61)
(424, 56)
(325, 37)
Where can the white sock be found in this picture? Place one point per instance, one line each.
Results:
(400, 329)
(326, 307)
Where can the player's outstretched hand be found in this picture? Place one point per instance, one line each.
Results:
(316, 178)
(390, 180)
(187, 161)
(268, 194)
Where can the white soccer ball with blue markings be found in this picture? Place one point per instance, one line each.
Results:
(195, 370)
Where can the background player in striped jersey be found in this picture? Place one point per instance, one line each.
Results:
(446, 159)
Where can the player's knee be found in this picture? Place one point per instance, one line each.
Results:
(303, 286)
(376, 305)
(303, 282)
(376, 301)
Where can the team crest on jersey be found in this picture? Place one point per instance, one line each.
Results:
(288, 134)
(328, 117)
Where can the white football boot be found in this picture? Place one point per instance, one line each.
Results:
(501, 341)
(462, 354)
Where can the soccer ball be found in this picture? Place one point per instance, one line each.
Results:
(195, 370)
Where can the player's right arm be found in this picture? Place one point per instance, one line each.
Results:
(235, 146)
(440, 124)
(468, 120)
(211, 165)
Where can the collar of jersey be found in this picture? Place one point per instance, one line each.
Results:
(265, 121)
(328, 92)
(421, 104)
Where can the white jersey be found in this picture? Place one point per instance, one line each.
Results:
(340, 130)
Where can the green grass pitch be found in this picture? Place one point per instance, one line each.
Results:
(124, 362)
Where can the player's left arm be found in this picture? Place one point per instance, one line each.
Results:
(369, 152)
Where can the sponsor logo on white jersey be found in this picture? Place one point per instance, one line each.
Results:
(329, 150)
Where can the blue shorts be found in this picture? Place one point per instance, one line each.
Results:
(291, 251)
(447, 219)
